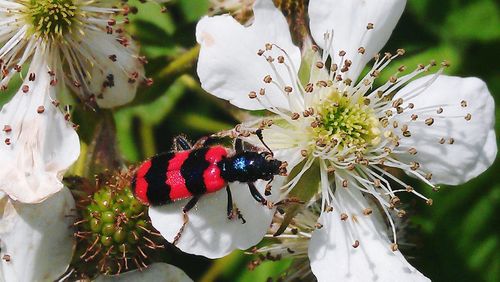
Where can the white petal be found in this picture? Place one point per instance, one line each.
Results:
(110, 79)
(474, 148)
(333, 258)
(348, 19)
(37, 238)
(42, 145)
(209, 232)
(155, 272)
(228, 64)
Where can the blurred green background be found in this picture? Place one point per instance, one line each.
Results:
(456, 239)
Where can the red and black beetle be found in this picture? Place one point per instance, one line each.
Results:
(191, 172)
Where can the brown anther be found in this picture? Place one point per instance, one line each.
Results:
(414, 165)
(295, 116)
(320, 65)
(309, 88)
(393, 79)
(367, 211)
(6, 258)
(25, 88)
(269, 46)
(439, 110)
(412, 151)
(348, 81)
(314, 124)
(429, 121)
(445, 64)
(451, 141)
(262, 92)
(395, 200)
(361, 50)
(442, 141)
(404, 128)
(268, 79)
(7, 128)
(288, 89)
(356, 244)
(252, 95)
(351, 167)
(377, 182)
(463, 103)
(409, 189)
(334, 67)
(281, 59)
(329, 209)
(330, 170)
(342, 53)
(394, 247)
(402, 68)
(32, 76)
(7, 141)
(407, 133)
(429, 202)
(345, 183)
(369, 26)
(270, 59)
(414, 117)
(318, 225)
(40, 109)
(112, 57)
(468, 117)
(56, 103)
(395, 124)
(375, 73)
(401, 52)
(322, 83)
(428, 176)
(344, 216)
(260, 52)
(401, 213)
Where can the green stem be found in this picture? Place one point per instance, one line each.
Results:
(182, 63)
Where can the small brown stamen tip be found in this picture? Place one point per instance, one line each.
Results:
(429, 121)
(344, 216)
(402, 68)
(351, 167)
(268, 79)
(401, 213)
(149, 81)
(330, 170)
(394, 247)
(356, 244)
(395, 200)
(252, 95)
(40, 109)
(260, 52)
(445, 64)
(7, 128)
(269, 46)
(329, 209)
(412, 151)
(451, 141)
(7, 141)
(375, 73)
(361, 50)
(468, 117)
(295, 116)
(428, 176)
(32, 76)
(369, 26)
(262, 92)
(367, 211)
(6, 258)
(377, 182)
(288, 89)
(25, 88)
(342, 53)
(401, 52)
(304, 153)
(409, 189)
(318, 225)
(393, 79)
(414, 165)
(281, 59)
(345, 183)
(320, 65)
(407, 133)
(463, 103)
(429, 202)
(56, 103)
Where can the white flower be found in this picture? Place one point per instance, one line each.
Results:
(37, 240)
(167, 272)
(437, 128)
(63, 43)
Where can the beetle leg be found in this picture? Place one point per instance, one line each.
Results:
(185, 216)
(258, 132)
(238, 146)
(181, 144)
(256, 194)
(229, 203)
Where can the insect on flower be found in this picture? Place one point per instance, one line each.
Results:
(192, 171)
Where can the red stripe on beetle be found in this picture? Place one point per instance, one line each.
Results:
(211, 176)
(177, 183)
(141, 185)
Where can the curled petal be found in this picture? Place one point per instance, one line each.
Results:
(164, 272)
(357, 248)
(37, 240)
(38, 144)
(229, 66)
(454, 133)
(347, 22)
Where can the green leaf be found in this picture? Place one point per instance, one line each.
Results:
(477, 21)
(268, 269)
(194, 9)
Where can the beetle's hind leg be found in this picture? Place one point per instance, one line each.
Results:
(181, 143)
(185, 216)
(231, 212)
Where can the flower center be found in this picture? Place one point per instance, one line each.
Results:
(51, 17)
(346, 122)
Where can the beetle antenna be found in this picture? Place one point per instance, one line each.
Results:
(258, 132)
